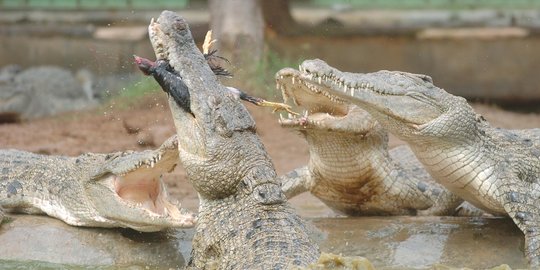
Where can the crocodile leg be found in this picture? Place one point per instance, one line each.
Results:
(295, 182)
(521, 199)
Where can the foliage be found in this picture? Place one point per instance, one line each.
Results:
(261, 82)
(134, 93)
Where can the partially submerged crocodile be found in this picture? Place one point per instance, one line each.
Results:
(121, 189)
(244, 220)
(495, 169)
(350, 167)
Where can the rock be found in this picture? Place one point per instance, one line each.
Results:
(337, 262)
(40, 238)
(44, 91)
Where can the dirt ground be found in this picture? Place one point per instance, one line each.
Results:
(148, 123)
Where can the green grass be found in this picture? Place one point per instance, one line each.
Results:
(262, 82)
(134, 92)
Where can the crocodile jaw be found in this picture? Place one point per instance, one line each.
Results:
(323, 112)
(128, 190)
(397, 95)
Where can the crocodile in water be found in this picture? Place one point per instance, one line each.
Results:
(495, 169)
(244, 220)
(121, 189)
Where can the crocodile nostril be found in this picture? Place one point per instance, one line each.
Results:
(262, 194)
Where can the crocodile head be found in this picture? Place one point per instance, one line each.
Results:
(127, 189)
(323, 113)
(406, 104)
(217, 142)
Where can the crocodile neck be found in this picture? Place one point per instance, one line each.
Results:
(237, 231)
(467, 166)
(349, 161)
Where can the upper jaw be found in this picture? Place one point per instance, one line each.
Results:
(323, 111)
(388, 93)
(154, 33)
(319, 107)
(132, 180)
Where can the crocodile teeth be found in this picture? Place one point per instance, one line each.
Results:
(290, 115)
(305, 113)
(152, 20)
(352, 91)
(320, 80)
(293, 80)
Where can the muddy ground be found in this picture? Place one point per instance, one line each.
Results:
(147, 123)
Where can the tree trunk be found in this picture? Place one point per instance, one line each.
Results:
(277, 15)
(239, 29)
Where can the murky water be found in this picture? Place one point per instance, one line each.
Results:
(36, 242)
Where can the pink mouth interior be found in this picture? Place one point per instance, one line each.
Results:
(142, 189)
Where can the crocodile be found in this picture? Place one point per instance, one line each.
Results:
(244, 221)
(120, 189)
(495, 169)
(350, 167)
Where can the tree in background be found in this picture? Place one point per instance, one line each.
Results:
(238, 26)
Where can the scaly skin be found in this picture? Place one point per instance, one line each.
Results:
(494, 169)
(122, 189)
(244, 219)
(350, 168)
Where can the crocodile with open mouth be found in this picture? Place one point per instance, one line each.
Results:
(244, 219)
(121, 189)
(495, 169)
(350, 167)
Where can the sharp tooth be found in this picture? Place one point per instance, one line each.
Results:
(152, 21)
(352, 91)
(305, 113)
(345, 88)
(290, 115)
(293, 80)
(280, 118)
(363, 85)
(320, 80)
(368, 85)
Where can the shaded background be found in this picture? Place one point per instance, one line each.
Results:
(483, 50)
